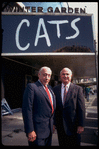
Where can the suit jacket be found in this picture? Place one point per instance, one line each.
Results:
(37, 111)
(72, 114)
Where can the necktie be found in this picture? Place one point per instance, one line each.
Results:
(47, 91)
(65, 93)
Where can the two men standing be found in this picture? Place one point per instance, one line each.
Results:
(39, 106)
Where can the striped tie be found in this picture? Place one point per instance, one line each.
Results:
(65, 93)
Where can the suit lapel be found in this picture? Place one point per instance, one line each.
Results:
(41, 88)
(52, 96)
(60, 97)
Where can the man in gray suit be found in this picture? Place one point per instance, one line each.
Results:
(38, 110)
(70, 110)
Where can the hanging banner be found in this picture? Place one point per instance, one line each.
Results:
(47, 33)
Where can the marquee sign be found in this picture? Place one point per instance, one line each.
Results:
(47, 33)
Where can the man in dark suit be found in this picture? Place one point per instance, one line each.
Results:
(38, 110)
(70, 110)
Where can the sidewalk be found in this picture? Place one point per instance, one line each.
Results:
(13, 128)
(90, 135)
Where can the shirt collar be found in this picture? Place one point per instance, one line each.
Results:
(66, 85)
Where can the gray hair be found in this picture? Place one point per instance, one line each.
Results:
(45, 67)
(66, 69)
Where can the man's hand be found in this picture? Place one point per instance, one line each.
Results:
(32, 136)
(53, 128)
(80, 129)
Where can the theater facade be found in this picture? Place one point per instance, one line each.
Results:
(33, 40)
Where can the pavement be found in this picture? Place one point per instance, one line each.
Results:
(90, 134)
(13, 128)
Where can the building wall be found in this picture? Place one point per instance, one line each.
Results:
(13, 78)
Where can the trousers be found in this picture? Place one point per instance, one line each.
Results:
(68, 141)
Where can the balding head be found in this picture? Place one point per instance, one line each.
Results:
(45, 67)
(67, 69)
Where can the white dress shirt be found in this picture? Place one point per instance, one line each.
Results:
(63, 88)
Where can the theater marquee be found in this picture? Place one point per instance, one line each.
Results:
(29, 33)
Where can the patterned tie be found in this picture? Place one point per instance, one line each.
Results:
(47, 91)
(65, 93)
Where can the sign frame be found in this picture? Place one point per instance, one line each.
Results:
(49, 53)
